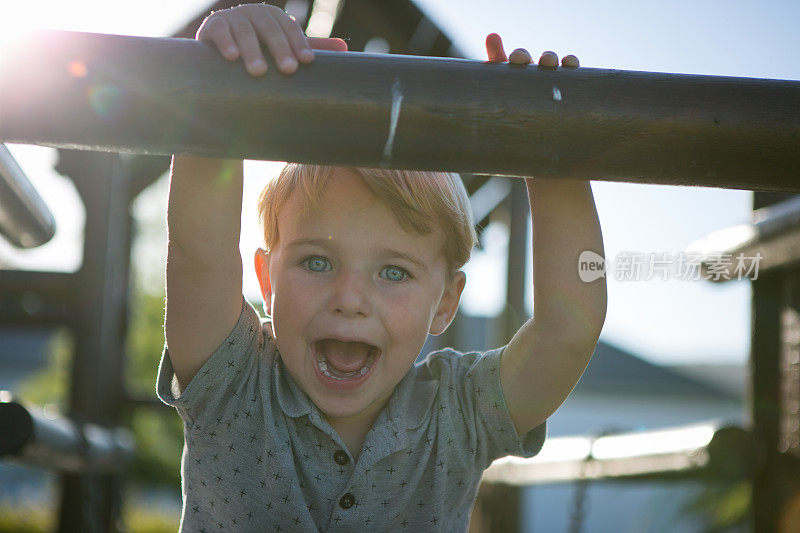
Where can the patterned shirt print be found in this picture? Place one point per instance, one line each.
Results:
(259, 456)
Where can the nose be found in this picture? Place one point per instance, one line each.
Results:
(351, 295)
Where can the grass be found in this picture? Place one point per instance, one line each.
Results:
(25, 518)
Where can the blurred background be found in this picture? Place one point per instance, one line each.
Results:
(672, 351)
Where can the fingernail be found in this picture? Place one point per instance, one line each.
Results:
(519, 55)
(287, 63)
(230, 51)
(548, 60)
(257, 64)
(307, 54)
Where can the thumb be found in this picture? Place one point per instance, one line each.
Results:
(327, 43)
(494, 48)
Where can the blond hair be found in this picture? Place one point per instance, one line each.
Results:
(416, 198)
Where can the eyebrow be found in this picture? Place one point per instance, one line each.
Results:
(308, 242)
(388, 252)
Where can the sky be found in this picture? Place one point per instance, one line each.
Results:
(666, 322)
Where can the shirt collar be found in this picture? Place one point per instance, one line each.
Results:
(292, 400)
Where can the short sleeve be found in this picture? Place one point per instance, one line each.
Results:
(230, 374)
(482, 408)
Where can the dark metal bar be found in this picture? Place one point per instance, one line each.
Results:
(25, 219)
(29, 437)
(162, 96)
(93, 503)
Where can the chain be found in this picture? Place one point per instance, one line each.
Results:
(578, 512)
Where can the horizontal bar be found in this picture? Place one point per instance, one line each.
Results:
(55, 442)
(163, 96)
(707, 450)
(25, 220)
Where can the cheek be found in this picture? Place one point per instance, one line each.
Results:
(409, 314)
(292, 302)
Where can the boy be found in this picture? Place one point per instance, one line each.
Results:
(317, 420)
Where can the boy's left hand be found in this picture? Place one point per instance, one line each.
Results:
(520, 56)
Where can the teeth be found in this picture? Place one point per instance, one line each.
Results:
(323, 367)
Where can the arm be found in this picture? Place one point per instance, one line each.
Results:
(204, 266)
(546, 357)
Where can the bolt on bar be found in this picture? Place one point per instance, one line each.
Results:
(34, 439)
(164, 96)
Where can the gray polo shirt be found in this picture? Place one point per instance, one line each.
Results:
(258, 455)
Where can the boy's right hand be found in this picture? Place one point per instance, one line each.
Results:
(240, 32)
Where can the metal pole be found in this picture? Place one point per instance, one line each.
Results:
(33, 439)
(25, 219)
(92, 502)
(162, 96)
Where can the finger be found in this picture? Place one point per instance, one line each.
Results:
(297, 39)
(548, 60)
(520, 56)
(215, 30)
(249, 47)
(494, 48)
(328, 43)
(570, 61)
(271, 33)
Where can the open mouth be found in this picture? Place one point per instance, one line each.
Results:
(344, 360)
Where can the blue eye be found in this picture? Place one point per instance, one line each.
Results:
(394, 273)
(317, 264)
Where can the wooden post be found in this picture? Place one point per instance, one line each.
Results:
(163, 96)
(775, 402)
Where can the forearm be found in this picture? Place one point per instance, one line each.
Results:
(565, 224)
(205, 207)
(204, 266)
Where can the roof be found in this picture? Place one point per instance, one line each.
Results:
(614, 368)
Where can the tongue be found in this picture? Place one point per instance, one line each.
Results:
(345, 356)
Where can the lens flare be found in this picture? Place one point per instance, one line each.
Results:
(77, 69)
(106, 100)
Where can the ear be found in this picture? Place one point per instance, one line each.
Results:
(262, 271)
(448, 304)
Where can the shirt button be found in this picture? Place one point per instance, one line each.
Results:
(347, 501)
(340, 456)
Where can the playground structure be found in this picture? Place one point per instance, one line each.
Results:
(408, 113)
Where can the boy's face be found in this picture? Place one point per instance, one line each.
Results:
(353, 296)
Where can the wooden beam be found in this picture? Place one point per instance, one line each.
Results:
(771, 242)
(163, 96)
